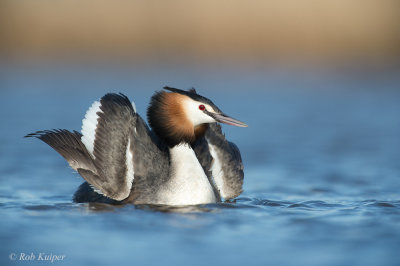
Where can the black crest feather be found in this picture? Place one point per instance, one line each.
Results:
(193, 94)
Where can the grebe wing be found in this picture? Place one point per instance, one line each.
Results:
(225, 165)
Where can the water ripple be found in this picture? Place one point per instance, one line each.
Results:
(240, 203)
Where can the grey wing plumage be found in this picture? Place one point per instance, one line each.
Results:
(151, 162)
(105, 154)
(110, 146)
(226, 165)
(68, 145)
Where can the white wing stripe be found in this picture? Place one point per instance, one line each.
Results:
(217, 171)
(89, 125)
(134, 106)
(130, 173)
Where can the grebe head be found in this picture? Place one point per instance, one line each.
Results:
(183, 116)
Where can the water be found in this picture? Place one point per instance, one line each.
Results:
(322, 171)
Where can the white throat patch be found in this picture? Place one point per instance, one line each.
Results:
(195, 115)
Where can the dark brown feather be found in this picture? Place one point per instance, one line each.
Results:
(168, 119)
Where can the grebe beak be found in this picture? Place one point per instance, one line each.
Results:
(223, 118)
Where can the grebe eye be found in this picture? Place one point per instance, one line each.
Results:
(202, 107)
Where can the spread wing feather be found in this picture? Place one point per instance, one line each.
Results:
(109, 155)
(68, 145)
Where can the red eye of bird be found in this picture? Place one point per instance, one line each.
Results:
(202, 107)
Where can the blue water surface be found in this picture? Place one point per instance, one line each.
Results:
(321, 156)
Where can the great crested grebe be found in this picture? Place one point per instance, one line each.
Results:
(184, 160)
